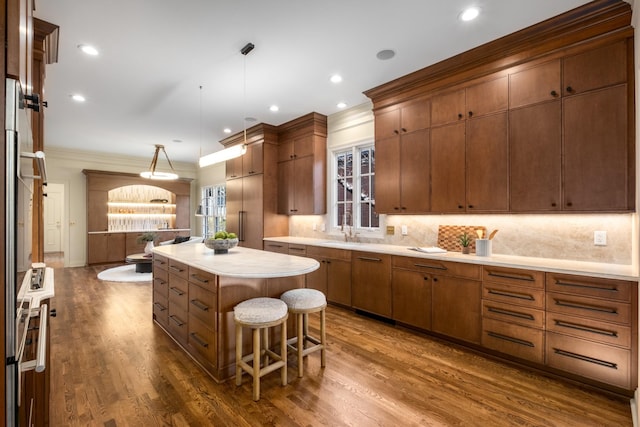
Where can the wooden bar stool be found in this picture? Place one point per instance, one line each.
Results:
(260, 314)
(301, 302)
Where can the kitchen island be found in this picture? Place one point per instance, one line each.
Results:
(195, 290)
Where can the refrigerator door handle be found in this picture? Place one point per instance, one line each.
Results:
(241, 225)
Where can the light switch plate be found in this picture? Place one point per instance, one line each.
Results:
(600, 238)
(404, 230)
(391, 230)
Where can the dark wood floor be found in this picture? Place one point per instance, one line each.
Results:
(112, 366)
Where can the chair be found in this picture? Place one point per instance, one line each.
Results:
(260, 314)
(301, 302)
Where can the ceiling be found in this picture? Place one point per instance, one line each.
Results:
(144, 86)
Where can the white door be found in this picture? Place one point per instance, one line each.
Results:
(53, 212)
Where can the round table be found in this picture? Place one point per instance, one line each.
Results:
(143, 262)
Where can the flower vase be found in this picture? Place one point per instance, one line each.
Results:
(148, 249)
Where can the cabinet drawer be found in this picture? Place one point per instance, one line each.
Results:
(178, 289)
(516, 340)
(595, 330)
(610, 311)
(202, 278)
(202, 304)
(517, 295)
(160, 308)
(178, 323)
(333, 253)
(599, 362)
(179, 269)
(161, 282)
(513, 276)
(282, 248)
(441, 268)
(618, 290)
(297, 249)
(201, 339)
(160, 262)
(525, 316)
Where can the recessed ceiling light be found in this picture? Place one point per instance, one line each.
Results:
(177, 141)
(336, 78)
(226, 130)
(341, 105)
(274, 108)
(385, 54)
(89, 50)
(78, 98)
(469, 14)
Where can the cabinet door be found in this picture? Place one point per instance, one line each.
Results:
(386, 124)
(387, 177)
(448, 184)
(97, 248)
(487, 97)
(534, 85)
(97, 210)
(414, 172)
(448, 107)
(455, 309)
(252, 162)
(303, 186)
(415, 116)
(601, 67)
(252, 209)
(234, 205)
(286, 184)
(487, 164)
(596, 151)
(371, 283)
(116, 247)
(233, 168)
(339, 282)
(303, 147)
(318, 279)
(535, 154)
(411, 298)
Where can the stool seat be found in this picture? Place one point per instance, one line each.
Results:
(259, 311)
(304, 299)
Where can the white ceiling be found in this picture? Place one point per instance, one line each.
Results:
(143, 88)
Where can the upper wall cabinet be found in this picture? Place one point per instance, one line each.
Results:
(542, 120)
(250, 163)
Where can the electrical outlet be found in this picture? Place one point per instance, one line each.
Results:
(404, 230)
(322, 227)
(600, 238)
(391, 230)
(315, 227)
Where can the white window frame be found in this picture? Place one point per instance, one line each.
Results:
(214, 209)
(367, 232)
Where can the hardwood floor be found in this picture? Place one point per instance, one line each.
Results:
(112, 366)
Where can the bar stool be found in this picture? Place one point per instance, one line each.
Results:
(301, 302)
(260, 314)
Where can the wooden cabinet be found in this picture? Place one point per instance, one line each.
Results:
(333, 278)
(411, 292)
(302, 164)
(448, 170)
(161, 290)
(245, 210)
(402, 156)
(251, 163)
(106, 247)
(279, 247)
(513, 312)
(202, 317)
(371, 283)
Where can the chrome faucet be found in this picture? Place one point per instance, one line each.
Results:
(350, 236)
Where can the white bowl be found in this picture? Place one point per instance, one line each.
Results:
(221, 246)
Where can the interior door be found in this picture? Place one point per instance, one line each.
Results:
(53, 213)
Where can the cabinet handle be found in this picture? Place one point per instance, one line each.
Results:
(396, 208)
(293, 210)
(569, 204)
(404, 130)
(199, 279)
(199, 304)
(435, 279)
(177, 291)
(470, 206)
(241, 226)
(296, 249)
(526, 316)
(160, 282)
(608, 310)
(436, 267)
(514, 276)
(470, 113)
(199, 340)
(160, 306)
(159, 262)
(460, 207)
(586, 329)
(174, 268)
(275, 246)
(396, 131)
(585, 286)
(510, 339)
(364, 258)
(403, 208)
(460, 115)
(511, 295)
(176, 320)
(328, 262)
(553, 204)
(570, 89)
(586, 358)
(554, 93)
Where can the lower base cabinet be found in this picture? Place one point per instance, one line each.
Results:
(411, 298)
(333, 278)
(371, 283)
(456, 308)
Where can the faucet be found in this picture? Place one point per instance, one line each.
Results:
(350, 236)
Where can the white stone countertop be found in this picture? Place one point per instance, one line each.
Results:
(595, 269)
(239, 262)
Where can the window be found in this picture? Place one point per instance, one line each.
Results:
(353, 187)
(213, 203)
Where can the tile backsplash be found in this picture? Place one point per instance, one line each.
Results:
(567, 237)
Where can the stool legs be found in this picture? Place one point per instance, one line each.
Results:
(323, 340)
(298, 343)
(302, 333)
(256, 364)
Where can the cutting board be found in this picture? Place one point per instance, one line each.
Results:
(449, 236)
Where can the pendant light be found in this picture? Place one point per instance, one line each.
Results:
(152, 173)
(236, 150)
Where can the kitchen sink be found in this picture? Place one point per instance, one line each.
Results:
(342, 243)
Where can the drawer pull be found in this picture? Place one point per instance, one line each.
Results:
(608, 310)
(511, 295)
(513, 276)
(586, 328)
(585, 286)
(199, 279)
(511, 313)
(586, 358)
(174, 268)
(200, 305)
(510, 339)
(274, 246)
(160, 281)
(176, 320)
(199, 340)
(160, 306)
(365, 258)
(177, 291)
(296, 249)
(160, 262)
(435, 267)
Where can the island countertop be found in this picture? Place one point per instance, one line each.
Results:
(239, 262)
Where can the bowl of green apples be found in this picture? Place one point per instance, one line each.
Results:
(221, 242)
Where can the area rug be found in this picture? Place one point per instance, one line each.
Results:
(125, 273)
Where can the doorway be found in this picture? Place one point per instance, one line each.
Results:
(53, 223)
